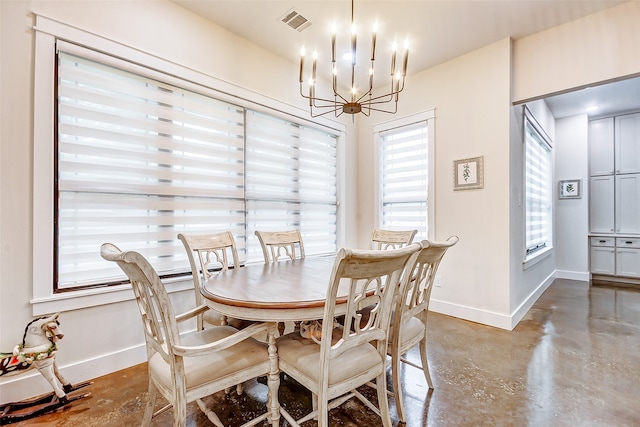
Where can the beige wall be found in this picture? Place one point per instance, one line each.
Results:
(471, 99)
(597, 48)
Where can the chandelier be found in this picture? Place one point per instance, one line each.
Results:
(357, 101)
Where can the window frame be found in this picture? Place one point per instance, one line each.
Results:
(47, 33)
(427, 116)
(531, 259)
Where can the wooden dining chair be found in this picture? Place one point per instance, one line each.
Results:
(208, 253)
(280, 243)
(185, 368)
(276, 244)
(409, 321)
(348, 357)
(391, 239)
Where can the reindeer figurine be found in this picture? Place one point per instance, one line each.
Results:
(38, 350)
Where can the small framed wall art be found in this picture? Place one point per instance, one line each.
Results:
(468, 174)
(570, 189)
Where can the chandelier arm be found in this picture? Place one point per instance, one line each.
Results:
(326, 112)
(314, 99)
(395, 110)
(367, 93)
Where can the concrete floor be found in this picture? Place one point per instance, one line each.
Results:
(574, 360)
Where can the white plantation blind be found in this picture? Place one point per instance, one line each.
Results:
(537, 188)
(291, 181)
(404, 176)
(139, 161)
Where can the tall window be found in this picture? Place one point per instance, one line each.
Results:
(404, 177)
(140, 160)
(537, 188)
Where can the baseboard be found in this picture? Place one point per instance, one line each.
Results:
(522, 310)
(490, 318)
(472, 314)
(573, 275)
(30, 383)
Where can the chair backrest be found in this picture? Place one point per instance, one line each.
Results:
(280, 243)
(208, 251)
(414, 301)
(158, 319)
(391, 239)
(373, 279)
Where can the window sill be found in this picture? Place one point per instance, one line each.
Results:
(539, 256)
(67, 301)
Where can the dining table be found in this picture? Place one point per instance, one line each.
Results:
(284, 291)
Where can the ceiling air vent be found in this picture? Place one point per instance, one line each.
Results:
(295, 20)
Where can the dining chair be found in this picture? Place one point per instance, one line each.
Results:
(391, 239)
(185, 368)
(409, 320)
(345, 358)
(280, 243)
(209, 252)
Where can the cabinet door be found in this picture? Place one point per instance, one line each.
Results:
(603, 260)
(601, 133)
(628, 262)
(601, 204)
(628, 203)
(627, 143)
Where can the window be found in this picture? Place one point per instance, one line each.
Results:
(537, 189)
(140, 160)
(405, 174)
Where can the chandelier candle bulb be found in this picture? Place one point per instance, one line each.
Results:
(315, 60)
(353, 44)
(373, 44)
(302, 53)
(333, 44)
(406, 59)
(393, 61)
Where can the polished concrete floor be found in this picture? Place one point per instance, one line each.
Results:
(574, 360)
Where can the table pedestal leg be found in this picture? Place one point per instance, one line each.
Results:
(273, 379)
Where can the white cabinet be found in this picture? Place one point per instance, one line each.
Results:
(603, 255)
(614, 198)
(601, 204)
(615, 256)
(627, 207)
(627, 143)
(601, 146)
(628, 257)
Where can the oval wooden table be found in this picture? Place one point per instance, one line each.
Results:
(277, 292)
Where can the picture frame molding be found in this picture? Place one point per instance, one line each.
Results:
(476, 179)
(564, 189)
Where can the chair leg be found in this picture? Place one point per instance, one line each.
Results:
(152, 394)
(323, 411)
(425, 362)
(397, 388)
(383, 403)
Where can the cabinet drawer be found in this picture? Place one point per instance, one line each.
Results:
(602, 241)
(623, 242)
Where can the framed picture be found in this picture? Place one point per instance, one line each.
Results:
(570, 189)
(468, 174)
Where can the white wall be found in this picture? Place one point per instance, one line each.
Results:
(572, 215)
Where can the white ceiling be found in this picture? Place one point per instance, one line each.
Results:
(437, 30)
